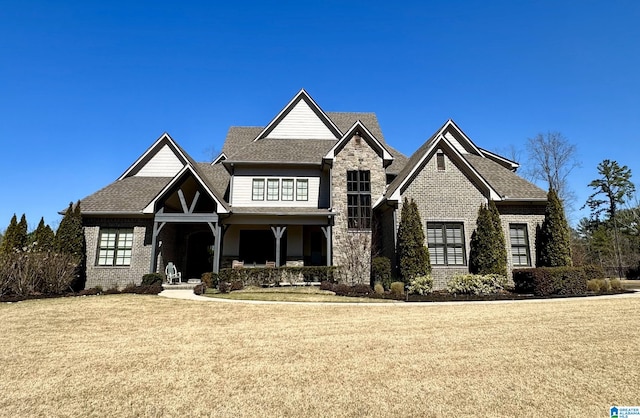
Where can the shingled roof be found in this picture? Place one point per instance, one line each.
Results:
(507, 183)
(127, 196)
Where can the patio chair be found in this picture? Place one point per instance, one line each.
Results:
(270, 264)
(235, 264)
(172, 273)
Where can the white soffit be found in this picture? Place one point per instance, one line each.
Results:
(165, 163)
(453, 141)
(301, 123)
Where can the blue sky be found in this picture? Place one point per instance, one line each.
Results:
(86, 87)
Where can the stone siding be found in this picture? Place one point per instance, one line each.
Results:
(121, 276)
(354, 156)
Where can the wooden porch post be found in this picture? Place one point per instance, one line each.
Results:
(217, 233)
(157, 226)
(278, 231)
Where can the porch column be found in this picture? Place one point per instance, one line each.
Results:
(157, 226)
(278, 231)
(326, 230)
(217, 233)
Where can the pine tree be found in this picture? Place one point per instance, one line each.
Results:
(554, 240)
(43, 237)
(21, 234)
(412, 253)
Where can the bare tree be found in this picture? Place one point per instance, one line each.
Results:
(552, 158)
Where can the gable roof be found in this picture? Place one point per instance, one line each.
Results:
(488, 169)
(301, 112)
(359, 129)
(136, 193)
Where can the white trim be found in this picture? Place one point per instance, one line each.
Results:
(396, 195)
(173, 145)
(302, 95)
(219, 158)
(150, 207)
(451, 123)
(491, 155)
(331, 154)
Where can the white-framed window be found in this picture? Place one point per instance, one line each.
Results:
(287, 189)
(114, 247)
(302, 189)
(273, 189)
(519, 245)
(446, 243)
(257, 190)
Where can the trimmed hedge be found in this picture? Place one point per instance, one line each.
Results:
(269, 276)
(545, 281)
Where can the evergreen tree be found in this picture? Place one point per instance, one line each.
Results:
(21, 234)
(499, 242)
(555, 238)
(488, 253)
(70, 237)
(480, 245)
(43, 237)
(9, 238)
(412, 253)
(70, 240)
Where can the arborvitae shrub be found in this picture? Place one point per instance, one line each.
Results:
(413, 255)
(487, 253)
(555, 238)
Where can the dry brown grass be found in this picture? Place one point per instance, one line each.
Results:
(291, 294)
(131, 355)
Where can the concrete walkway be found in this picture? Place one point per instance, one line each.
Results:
(187, 294)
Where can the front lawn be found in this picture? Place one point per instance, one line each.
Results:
(135, 355)
(289, 294)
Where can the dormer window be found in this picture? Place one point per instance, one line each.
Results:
(257, 189)
(273, 189)
(287, 189)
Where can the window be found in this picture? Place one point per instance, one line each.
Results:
(519, 245)
(257, 189)
(273, 186)
(302, 190)
(115, 247)
(287, 189)
(440, 161)
(358, 199)
(446, 243)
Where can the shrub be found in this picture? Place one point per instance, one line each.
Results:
(224, 287)
(593, 285)
(605, 285)
(91, 291)
(325, 285)
(476, 284)
(487, 253)
(554, 240)
(544, 281)
(421, 285)
(152, 278)
(397, 288)
(378, 289)
(592, 271)
(200, 289)
(210, 279)
(112, 291)
(381, 270)
(236, 285)
(616, 284)
(273, 276)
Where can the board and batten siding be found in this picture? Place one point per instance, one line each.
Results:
(301, 123)
(164, 163)
(243, 188)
